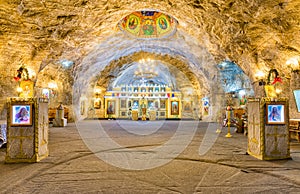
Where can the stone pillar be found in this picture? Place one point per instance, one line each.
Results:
(27, 130)
(268, 139)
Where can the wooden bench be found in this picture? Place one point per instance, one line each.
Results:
(294, 129)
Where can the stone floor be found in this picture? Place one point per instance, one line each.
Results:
(158, 157)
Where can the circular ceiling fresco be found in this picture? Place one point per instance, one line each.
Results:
(148, 24)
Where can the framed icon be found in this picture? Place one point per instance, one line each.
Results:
(135, 105)
(162, 104)
(21, 114)
(174, 108)
(123, 103)
(97, 104)
(110, 107)
(275, 113)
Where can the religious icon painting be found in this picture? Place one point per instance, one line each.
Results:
(21, 114)
(275, 113)
(162, 104)
(174, 108)
(110, 107)
(187, 107)
(156, 104)
(123, 103)
(133, 24)
(97, 103)
(150, 104)
(135, 105)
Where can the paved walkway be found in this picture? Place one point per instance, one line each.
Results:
(143, 158)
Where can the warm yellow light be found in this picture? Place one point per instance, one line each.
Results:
(293, 62)
(278, 91)
(260, 74)
(31, 73)
(19, 89)
(52, 85)
(97, 91)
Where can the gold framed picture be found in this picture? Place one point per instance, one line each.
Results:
(175, 108)
(21, 114)
(110, 107)
(275, 113)
(97, 104)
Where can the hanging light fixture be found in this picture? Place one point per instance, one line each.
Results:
(146, 69)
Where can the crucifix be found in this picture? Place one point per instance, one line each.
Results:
(254, 124)
(21, 154)
(276, 136)
(42, 126)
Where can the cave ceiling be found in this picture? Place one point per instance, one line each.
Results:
(254, 34)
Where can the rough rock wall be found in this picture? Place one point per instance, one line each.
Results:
(257, 35)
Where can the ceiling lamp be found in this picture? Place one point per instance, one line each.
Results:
(146, 69)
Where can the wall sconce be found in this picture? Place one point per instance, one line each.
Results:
(259, 76)
(19, 90)
(97, 92)
(52, 85)
(32, 74)
(278, 91)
